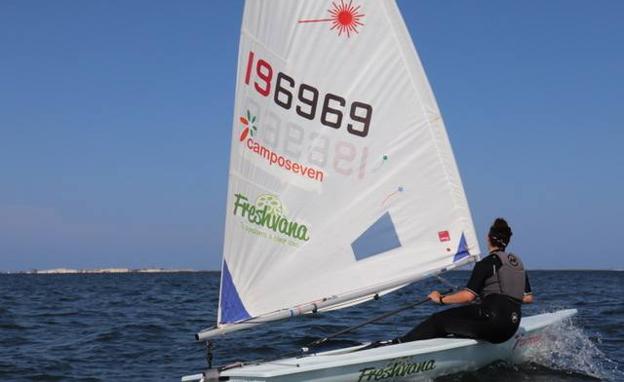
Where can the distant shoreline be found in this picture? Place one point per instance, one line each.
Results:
(71, 271)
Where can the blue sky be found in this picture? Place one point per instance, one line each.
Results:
(115, 124)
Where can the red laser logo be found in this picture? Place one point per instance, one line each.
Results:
(345, 18)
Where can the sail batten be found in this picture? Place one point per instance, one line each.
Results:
(342, 181)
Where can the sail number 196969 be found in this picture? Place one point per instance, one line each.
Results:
(306, 99)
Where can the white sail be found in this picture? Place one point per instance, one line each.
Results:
(342, 180)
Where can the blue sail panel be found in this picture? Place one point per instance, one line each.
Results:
(232, 308)
(462, 249)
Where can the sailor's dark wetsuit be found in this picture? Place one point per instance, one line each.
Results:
(500, 281)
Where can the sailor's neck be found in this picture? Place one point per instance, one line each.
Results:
(496, 249)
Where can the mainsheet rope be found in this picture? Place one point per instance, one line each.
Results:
(321, 341)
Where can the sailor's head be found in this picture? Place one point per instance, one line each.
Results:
(500, 234)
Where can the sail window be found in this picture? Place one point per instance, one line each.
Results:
(378, 238)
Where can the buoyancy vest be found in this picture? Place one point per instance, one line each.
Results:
(509, 279)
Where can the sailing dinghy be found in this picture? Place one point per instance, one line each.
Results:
(342, 187)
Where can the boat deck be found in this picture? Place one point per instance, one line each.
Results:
(350, 356)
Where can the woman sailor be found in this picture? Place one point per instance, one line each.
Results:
(502, 285)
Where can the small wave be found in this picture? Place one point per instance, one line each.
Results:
(617, 311)
(567, 348)
(145, 329)
(57, 314)
(11, 326)
(14, 342)
(504, 371)
(45, 377)
(108, 336)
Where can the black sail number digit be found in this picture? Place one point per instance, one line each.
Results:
(282, 92)
(330, 116)
(311, 100)
(360, 112)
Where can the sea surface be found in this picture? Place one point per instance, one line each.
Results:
(140, 327)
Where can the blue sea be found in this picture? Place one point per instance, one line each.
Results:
(140, 327)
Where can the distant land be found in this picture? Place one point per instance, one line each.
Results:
(58, 271)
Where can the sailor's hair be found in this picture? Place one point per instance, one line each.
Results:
(500, 233)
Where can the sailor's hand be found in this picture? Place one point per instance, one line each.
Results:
(435, 296)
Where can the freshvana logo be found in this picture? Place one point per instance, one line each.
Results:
(268, 212)
(397, 369)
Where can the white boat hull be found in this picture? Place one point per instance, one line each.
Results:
(408, 361)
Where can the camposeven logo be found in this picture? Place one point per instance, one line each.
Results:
(269, 214)
(247, 136)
